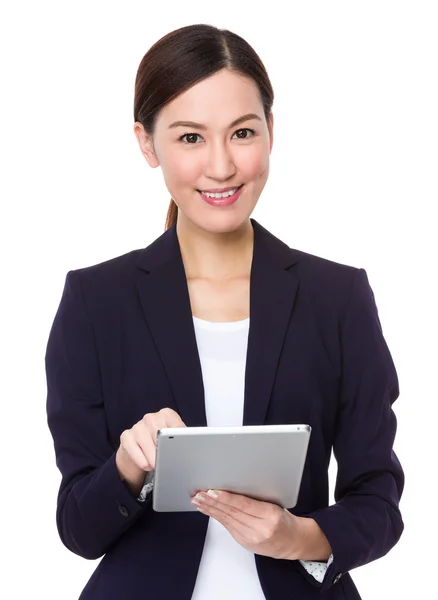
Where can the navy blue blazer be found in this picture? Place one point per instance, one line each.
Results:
(122, 344)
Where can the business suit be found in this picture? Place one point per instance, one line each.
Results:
(122, 344)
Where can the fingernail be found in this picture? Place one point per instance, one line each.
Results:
(213, 494)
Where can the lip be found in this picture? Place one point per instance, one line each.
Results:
(221, 190)
(222, 201)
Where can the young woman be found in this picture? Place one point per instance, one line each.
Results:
(218, 322)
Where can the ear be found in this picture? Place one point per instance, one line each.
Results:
(146, 144)
(271, 130)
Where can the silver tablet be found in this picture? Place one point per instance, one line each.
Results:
(264, 462)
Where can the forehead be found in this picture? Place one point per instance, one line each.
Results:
(216, 100)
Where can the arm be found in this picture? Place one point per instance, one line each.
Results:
(365, 523)
(94, 505)
(314, 544)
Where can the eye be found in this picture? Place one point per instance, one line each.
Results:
(191, 138)
(244, 131)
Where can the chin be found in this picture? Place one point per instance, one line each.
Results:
(224, 223)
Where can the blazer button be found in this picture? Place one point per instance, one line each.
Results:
(123, 511)
(337, 578)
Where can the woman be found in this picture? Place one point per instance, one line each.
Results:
(218, 322)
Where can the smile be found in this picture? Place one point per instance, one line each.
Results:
(222, 199)
(225, 194)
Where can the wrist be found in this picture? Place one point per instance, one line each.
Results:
(129, 472)
(312, 544)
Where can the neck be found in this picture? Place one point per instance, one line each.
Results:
(212, 255)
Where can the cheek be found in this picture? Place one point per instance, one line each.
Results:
(180, 168)
(254, 165)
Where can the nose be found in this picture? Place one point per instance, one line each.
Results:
(220, 164)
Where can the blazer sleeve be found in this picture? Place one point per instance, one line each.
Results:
(95, 507)
(365, 521)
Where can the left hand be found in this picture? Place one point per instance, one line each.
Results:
(260, 527)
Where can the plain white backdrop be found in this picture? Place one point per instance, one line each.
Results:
(353, 179)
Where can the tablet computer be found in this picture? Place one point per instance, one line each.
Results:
(264, 462)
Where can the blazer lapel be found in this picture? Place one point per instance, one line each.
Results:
(273, 288)
(164, 296)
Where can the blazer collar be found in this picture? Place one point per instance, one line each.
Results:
(162, 286)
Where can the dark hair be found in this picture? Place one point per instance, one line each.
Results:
(181, 59)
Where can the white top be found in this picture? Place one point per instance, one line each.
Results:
(227, 570)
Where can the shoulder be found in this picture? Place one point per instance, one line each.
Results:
(329, 285)
(121, 270)
(116, 266)
(314, 268)
(325, 284)
(107, 282)
(333, 289)
(322, 278)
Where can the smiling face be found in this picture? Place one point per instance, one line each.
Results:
(212, 137)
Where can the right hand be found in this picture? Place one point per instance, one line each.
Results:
(137, 451)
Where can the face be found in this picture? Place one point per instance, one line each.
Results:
(214, 137)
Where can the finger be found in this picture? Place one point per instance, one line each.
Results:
(166, 417)
(216, 509)
(145, 440)
(240, 503)
(238, 524)
(171, 418)
(134, 451)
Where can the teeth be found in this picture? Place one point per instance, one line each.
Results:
(217, 195)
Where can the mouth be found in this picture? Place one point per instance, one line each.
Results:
(221, 198)
(219, 193)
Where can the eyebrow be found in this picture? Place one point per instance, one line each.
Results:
(203, 127)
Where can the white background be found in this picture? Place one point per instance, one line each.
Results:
(353, 178)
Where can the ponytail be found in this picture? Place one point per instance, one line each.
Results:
(172, 215)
